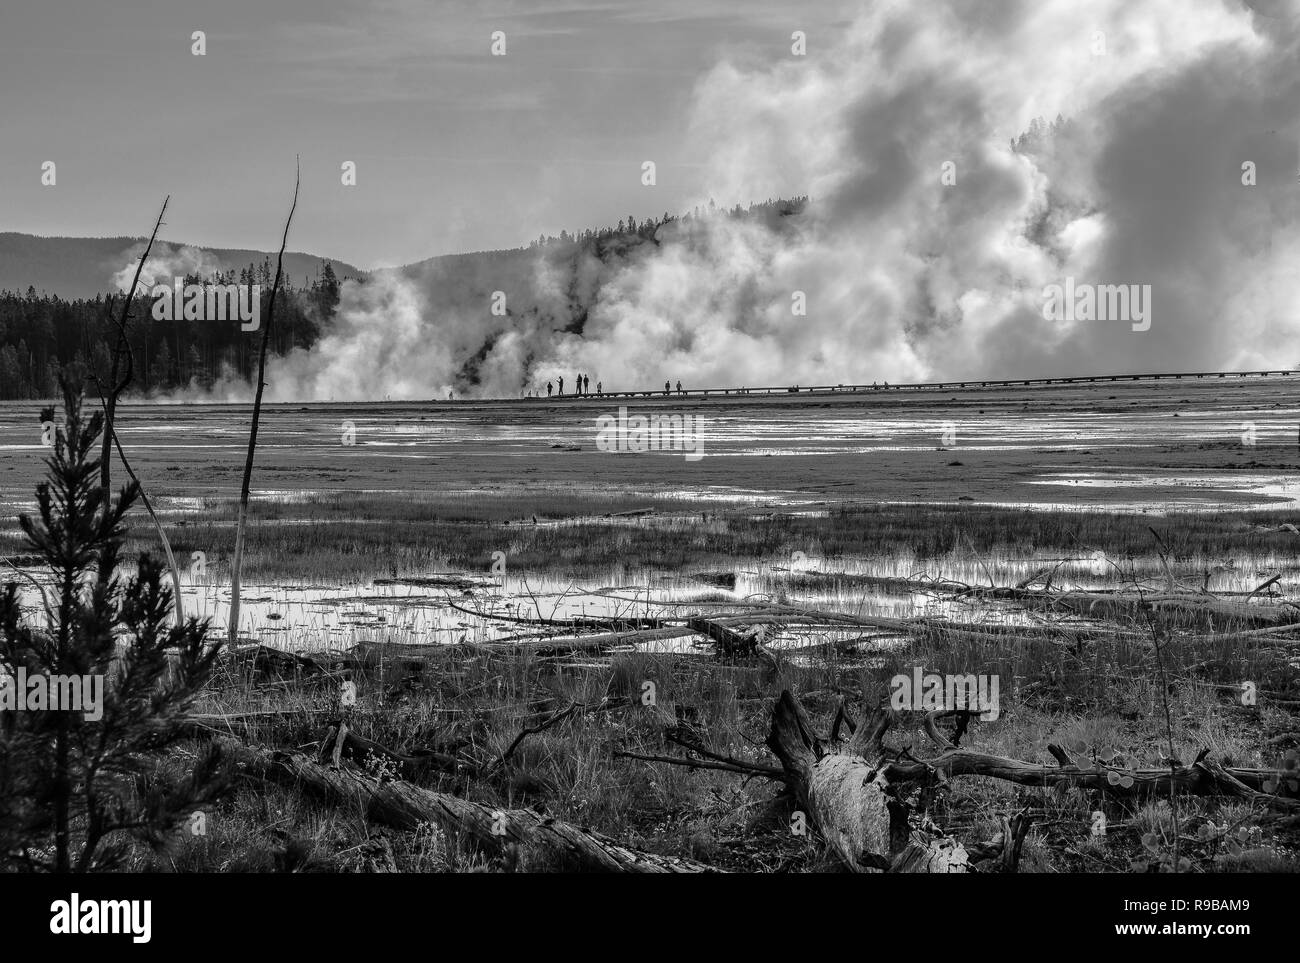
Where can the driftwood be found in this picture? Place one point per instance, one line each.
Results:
(494, 831)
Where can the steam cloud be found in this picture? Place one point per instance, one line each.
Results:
(907, 278)
(164, 263)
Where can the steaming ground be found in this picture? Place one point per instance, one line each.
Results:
(1142, 446)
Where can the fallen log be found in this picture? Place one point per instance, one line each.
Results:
(366, 656)
(449, 581)
(406, 806)
(590, 643)
(271, 661)
(1202, 778)
(814, 579)
(573, 624)
(729, 641)
(1178, 607)
(917, 625)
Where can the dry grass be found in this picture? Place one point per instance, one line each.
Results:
(1096, 692)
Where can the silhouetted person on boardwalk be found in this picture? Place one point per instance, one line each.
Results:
(598, 391)
(586, 384)
(561, 380)
(679, 387)
(549, 389)
(667, 387)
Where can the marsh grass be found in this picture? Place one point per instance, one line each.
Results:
(351, 536)
(571, 771)
(1091, 690)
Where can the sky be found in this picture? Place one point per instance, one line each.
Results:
(455, 149)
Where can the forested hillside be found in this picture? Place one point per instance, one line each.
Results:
(553, 281)
(39, 334)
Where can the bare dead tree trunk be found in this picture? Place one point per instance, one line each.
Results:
(121, 349)
(242, 523)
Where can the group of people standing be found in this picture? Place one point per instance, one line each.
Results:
(583, 386)
(583, 389)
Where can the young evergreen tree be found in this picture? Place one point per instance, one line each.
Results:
(77, 785)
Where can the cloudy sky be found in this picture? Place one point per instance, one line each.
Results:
(455, 149)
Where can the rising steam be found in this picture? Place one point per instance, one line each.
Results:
(165, 263)
(906, 278)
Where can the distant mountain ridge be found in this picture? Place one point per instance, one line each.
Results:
(82, 267)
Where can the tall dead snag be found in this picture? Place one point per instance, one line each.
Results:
(116, 385)
(405, 806)
(242, 523)
(122, 349)
(849, 798)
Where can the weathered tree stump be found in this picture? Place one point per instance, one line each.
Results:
(849, 798)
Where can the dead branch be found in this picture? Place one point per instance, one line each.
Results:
(745, 769)
(554, 719)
